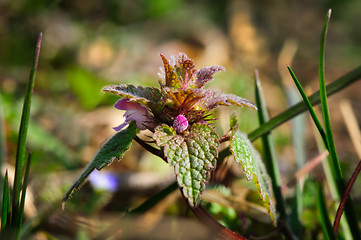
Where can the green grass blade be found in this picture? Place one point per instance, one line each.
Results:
(269, 152)
(335, 165)
(2, 145)
(327, 165)
(21, 146)
(2, 142)
(309, 107)
(298, 131)
(300, 107)
(5, 218)
(23, 194)
(323, 215)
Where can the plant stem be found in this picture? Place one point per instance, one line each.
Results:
(345, 197)
(214, 225)
(150, 148)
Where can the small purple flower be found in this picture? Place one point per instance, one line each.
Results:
(134, 112)
(104, 181)
(180, 123)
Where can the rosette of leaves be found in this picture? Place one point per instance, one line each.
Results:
(178, 113)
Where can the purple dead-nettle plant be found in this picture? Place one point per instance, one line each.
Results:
(179, 115)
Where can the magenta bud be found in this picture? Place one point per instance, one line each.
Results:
(180, 123)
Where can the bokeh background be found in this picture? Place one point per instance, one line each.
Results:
(90, 44)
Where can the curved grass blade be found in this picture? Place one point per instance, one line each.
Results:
(323, 215)
(309, 106)
(335, 165)
(300, 107)
(114, 148)
(327, 164)
(269, 152)
(21, 146)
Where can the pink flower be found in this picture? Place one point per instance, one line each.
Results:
(134, 112)
(180, 123)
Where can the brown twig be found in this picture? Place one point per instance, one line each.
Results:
(339, 212)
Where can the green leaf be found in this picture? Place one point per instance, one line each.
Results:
(334, 87)
(253, 168)
(233, 121)
(23, 192)
(335, 164)
(5, 218)
(143, 95)
(323, 215)
(23, 130)
(193, 156)
(269, 153)
(114, 148)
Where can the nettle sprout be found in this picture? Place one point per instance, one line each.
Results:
(178, 115)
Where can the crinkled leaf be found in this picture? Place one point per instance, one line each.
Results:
(253, 168)
(171, 78)
(186, 97)
(138, 94)
(114, 148)
(205, 75)
(193, 156)
(216, 98)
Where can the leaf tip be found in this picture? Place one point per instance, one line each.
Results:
(329, 13)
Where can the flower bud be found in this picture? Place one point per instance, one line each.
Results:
(180, 123)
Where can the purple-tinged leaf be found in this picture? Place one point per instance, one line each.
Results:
(215, 98)
(193, 156)
(253, 168)
(143, 95)
(205, 75)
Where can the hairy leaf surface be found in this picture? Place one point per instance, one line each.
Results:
(114, 148)
(193, 156)
(139, 94)
(253, 168)
(216, 98)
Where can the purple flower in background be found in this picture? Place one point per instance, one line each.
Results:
(104, 181)
(134, 112)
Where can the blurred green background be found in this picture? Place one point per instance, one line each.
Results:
(90, 44)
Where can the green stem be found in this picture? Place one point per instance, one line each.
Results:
(323, 215)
